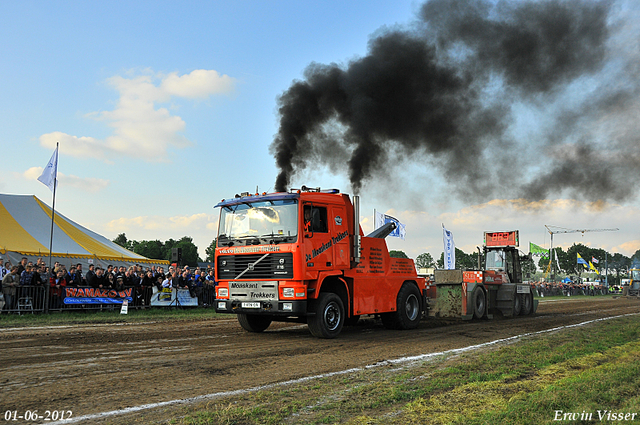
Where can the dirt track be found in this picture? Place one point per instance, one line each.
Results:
(90, 369)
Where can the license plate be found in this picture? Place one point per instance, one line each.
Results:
(250, 305)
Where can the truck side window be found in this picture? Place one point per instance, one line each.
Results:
(315, 219)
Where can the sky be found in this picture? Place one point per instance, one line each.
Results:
(162, 109)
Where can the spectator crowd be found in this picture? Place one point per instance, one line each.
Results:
(200, 281)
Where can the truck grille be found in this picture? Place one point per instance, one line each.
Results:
(273, 266)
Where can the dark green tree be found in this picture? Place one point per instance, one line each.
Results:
(424, 261)
(121, 240)
(211, 251)
(149, 249)
(397, 254)
(189, 251)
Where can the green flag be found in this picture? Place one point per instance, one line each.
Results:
(538, 250)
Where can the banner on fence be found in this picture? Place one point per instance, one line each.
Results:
(167, 297)
(96, 296)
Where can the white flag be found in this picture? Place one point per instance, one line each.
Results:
(381, 219)
(449, 249)
(50, 172)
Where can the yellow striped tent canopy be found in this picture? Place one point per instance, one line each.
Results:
(25, 226)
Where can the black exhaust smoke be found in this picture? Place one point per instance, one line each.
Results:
(444, 90)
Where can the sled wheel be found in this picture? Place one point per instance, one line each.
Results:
(527, 304)
(517, 305)
(479, 303)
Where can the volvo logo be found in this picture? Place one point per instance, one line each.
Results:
(251, 266)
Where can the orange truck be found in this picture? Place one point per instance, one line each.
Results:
(301, 256)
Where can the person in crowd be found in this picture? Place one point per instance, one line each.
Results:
(122, 271)
(79, 271)
(110, 271)
(90, 276)
(119, 284)
(168, 281)
(9, 284)
(22, 265)
(4, 269)
(26, 278)
(111, 281)
(146, 287)
(75, 277)
(184, 280)
(99, 280)
(57, 285)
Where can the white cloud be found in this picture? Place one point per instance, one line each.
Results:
(90, 185)
(140, 126)
(201, 227)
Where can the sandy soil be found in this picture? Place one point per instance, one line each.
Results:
(90, 369)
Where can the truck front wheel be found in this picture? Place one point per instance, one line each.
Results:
(254, 322)
(329, 317)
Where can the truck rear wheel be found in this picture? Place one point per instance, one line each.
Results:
(527, 304)
(408, 312)
(329, 317)
(479, 303)
(254, 322)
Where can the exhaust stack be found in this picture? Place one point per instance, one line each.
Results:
(356, 230)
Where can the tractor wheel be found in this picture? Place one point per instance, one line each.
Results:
(479, 303)
(408, 311)
(254, 322)
(527, 304)
(517, 304)
(329, 317)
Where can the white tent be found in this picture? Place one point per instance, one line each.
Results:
(25, 226)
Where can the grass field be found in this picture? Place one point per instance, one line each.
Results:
(576, 375)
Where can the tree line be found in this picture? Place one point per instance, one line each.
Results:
(157, 250)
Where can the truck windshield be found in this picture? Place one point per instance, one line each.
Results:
(496, 260)
(263, 221)
(635, 275)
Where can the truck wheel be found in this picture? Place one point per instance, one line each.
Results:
(254, 322)
(329, 317)
(479, 303)
(527, 304)
(517, 305)
(408, 312)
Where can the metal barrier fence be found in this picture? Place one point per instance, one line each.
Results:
(32, 299)
(568, 290)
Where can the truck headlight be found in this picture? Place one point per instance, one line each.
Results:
(287, 306)
(288, 292)
(223, 292)
(222, 305)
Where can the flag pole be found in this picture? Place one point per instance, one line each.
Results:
(53, 214)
